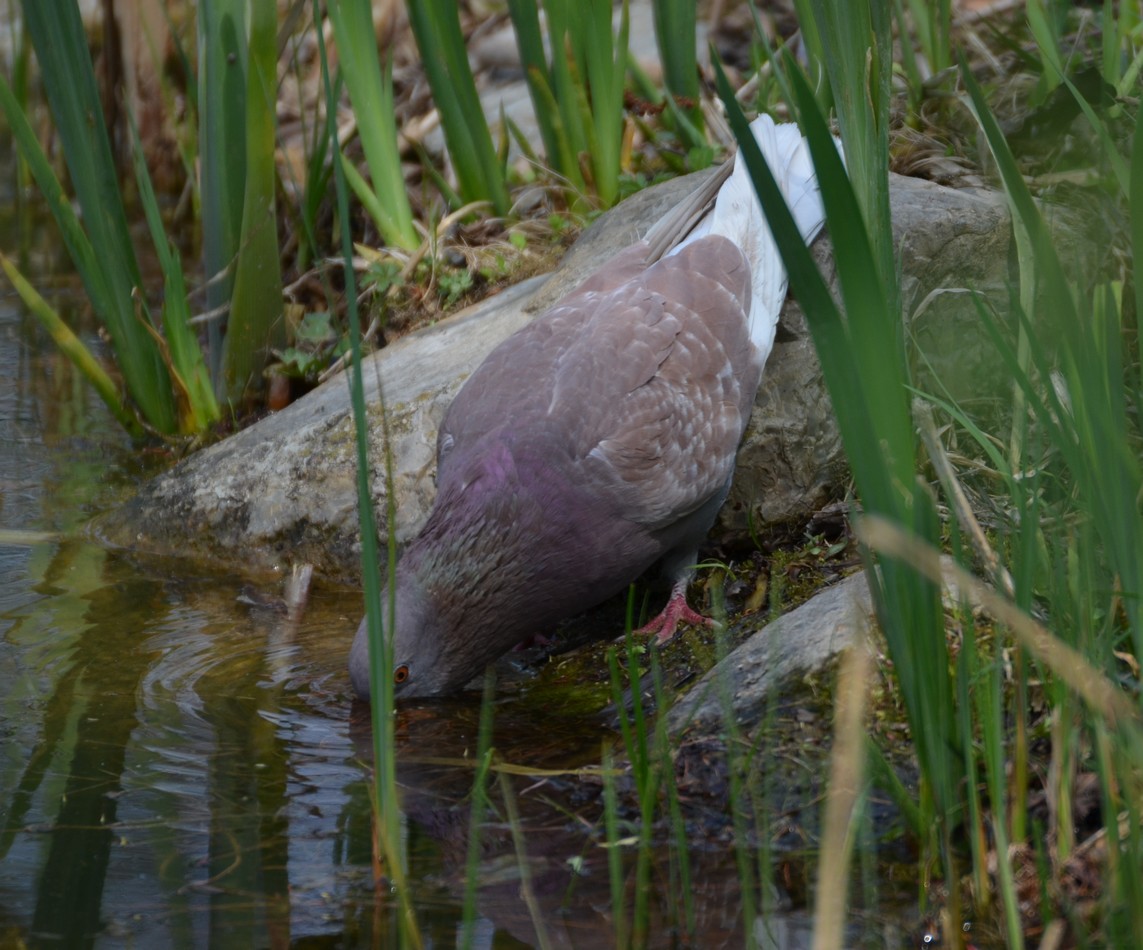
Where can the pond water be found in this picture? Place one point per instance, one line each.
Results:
(183, 765)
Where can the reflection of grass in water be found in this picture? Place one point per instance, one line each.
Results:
(479, 805)
(84, 673)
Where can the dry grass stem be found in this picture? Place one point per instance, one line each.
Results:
(1101, 695)
(923, 416)
(847, 766)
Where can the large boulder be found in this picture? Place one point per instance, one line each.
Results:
(283, 490)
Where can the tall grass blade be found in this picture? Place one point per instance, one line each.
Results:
(675, 22)
(990, 715)
(479, 806)
(605, 56)
(1041, 21)
(815, 54)
(73, 348)
(1135, 200)
(634, 731)
(664, 748)
(932, 22)
(1119, 166)
(1099, 694)
(525, 15)
(567, 90)
(869, 396)
(578, 96)
(857, 47)
(527, 892)
(914, 78)
(385, 800)
(1107, 473)
(223, 55)
(61, 46)
(197, 407)
(845, 790)
(966, 668)
(614, 850)
(256, 326)
(737, 767)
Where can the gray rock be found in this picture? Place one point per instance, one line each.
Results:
(797, 643)
(791, 461)
(283, 490)
(802, 641)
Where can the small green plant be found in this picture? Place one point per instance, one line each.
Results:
(382, 276)
(453, 284)
(316, 342)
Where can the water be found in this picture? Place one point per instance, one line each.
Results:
(176, 769)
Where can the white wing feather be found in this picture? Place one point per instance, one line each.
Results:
(738, 216)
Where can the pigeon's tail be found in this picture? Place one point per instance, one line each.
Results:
(738, 216)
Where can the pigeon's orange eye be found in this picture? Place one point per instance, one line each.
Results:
(400, 674)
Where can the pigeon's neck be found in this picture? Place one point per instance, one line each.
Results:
(507, 532)
(472, 557)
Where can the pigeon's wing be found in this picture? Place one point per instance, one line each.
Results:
(515, 380)
(656, 390)
(640, 382)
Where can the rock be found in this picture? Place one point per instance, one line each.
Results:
(791, 462)
(797, 643)
(802, 641)
(283, 490)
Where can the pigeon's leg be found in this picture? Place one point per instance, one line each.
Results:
(663, 626)
(533, 640)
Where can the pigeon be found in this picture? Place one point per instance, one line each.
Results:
(599, 439)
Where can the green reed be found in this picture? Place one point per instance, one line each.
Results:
(866, 376)
(480, 170)
(577, 95)
(370, 88)
(1077, 456)
(255, 325)
(386, 803)
(111, 274)
(160, 359)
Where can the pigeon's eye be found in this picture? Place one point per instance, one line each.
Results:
(400, 674)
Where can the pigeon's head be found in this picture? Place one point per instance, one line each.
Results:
(422, 665)
(442, 636)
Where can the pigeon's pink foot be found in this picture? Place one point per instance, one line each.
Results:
(663, 626)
